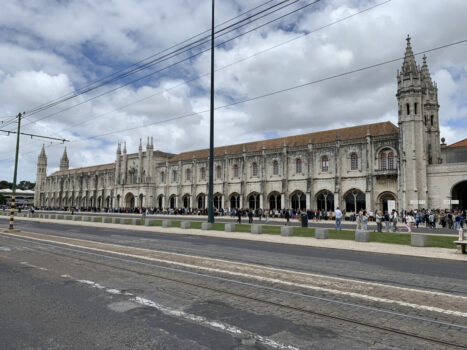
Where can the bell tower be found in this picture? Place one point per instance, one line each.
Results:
(413, 139)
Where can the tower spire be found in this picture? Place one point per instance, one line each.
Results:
(64, 162)
(426, 76)
(42, 154)
(409, 65)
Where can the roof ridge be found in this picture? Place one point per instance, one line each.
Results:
(292, 136)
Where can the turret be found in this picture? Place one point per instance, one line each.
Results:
(64, 162)
(125, 163)
(414, 101)
(140, 161)
(431, 116)
(40, 177)
(117, 164)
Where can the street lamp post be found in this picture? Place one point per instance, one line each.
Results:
(211, 132)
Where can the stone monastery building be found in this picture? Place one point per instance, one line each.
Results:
(357, 167)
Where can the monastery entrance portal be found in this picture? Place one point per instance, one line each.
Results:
(383, 200)
(130, 201)
(459, 192)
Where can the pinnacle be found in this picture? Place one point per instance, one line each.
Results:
(409, 65)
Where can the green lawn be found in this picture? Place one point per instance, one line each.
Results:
(381, 237)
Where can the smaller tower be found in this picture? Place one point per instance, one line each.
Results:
(64, 162)
(140, 161)
(117, 165)
(40, 177)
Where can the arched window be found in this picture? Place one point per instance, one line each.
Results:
(432, 120)
(174, 175)
(384, 164)
(255, 169)
(162, 176)
(188, 175)
(324, 163)
(235, 170)
(415, 107)
(298, 166)
(354, 161)
(218, 172)
(203, 173)
(386, 159)
(408, 108)
(390, 160)
(275, 167)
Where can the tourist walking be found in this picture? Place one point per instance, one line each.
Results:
(379, 220)
(287, 217)
(338, 215)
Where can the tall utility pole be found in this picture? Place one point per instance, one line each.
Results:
(211, 133)
(13, 189)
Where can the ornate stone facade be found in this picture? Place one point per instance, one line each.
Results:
(357, 167)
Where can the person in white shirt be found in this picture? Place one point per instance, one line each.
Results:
(338, 215)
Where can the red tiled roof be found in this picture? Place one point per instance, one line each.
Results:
(462, 143)
(354, 132)
(85, 169)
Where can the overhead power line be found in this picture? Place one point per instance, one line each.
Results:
(166, 56)
(172, 65)
(86, 86)
(93, 118)
(35, 135)
(294, 87)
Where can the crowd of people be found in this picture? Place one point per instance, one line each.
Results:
(387, 220)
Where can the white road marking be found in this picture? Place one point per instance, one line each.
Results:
(5, 249)
(34, 266)
(225, 327)
(273, 280)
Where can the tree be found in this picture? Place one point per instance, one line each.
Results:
(26, 185)
(5, 184)
(2, 199)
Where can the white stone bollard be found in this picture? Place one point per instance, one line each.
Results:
(286, 231)
(206, 226)
(417, 240)
(166, 223)
(185, 224)
(149, 223)
(321, 233)
(116, 220)
(229, 228)
(257, 229)
(362, 236)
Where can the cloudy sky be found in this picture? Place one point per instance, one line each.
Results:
(55, 48)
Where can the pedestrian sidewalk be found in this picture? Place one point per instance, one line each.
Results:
(369, 247)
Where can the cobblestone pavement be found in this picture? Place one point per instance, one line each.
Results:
(198, 301)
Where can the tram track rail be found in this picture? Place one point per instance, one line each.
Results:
(298, 269)
(139, 261)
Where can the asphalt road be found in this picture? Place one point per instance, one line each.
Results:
(227, 219)
(54, 296)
